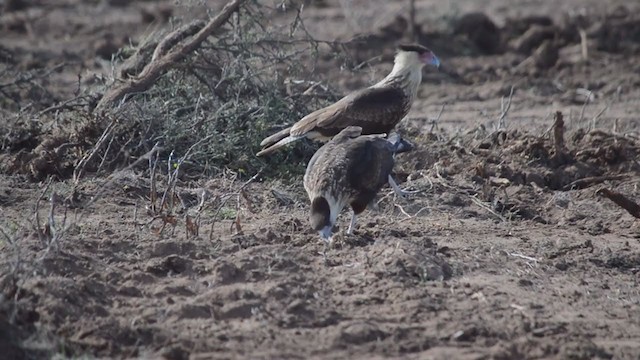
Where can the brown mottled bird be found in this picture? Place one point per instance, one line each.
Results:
(349, 170)
(376, 109)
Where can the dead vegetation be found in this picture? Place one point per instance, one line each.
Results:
(500, 168)
(222, 84)
(227, 82)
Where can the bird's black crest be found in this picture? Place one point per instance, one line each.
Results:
(414, 47)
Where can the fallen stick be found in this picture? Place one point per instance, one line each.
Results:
(558, 133)
(165, 59)
(624, 202)
(479, 202)
(584, 44)
(592, 180)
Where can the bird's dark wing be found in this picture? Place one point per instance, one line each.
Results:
(370, 163)
(372, 109)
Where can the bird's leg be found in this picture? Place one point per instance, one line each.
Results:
(352, 224)
(401, 193)
(395, 187)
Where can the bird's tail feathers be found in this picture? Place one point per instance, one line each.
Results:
(320, 215)
(278, 145)
(268, 141)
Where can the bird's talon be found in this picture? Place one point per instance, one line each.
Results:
(405, 193)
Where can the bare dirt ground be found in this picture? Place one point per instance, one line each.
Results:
(508, 250)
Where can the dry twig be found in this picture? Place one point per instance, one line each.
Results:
(588, 95)
(42, 235)
(434, 122)
(504, 108)
(79, 169)
(483, 205)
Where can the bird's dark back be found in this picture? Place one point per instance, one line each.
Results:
(375, 110)
(371, 162)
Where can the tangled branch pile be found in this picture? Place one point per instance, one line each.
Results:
(214, 103)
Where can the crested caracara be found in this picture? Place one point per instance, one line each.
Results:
(376, 109)
(350, 169)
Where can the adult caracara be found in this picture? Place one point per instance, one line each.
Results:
(376, 109)
(349, 170)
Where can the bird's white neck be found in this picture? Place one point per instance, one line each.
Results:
(406, 73)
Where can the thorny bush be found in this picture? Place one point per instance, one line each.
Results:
(211, 111)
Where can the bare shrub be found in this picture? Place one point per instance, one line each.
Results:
(253, 77)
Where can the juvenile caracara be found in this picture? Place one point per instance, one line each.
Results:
(376, 109)
(349, 170)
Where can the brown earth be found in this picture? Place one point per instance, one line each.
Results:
(507, 249)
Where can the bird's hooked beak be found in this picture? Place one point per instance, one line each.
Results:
(429, 58)
(325, 233)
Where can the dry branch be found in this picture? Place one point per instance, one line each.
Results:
(624, 202)
(167, 59)
(175, 38)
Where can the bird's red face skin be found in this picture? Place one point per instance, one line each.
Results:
(430, 58)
